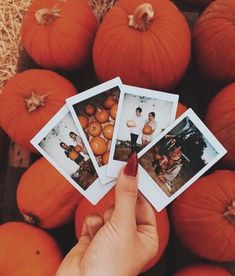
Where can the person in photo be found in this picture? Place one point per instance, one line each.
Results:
(149, 128)
(135, 124)
(78, 141)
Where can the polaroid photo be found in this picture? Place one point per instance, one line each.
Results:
(143, 114)
(94, 113)
(61, 144)
(178, 157)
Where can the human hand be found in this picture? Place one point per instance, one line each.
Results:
(121, 242)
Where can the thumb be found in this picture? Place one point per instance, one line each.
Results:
(126, 192)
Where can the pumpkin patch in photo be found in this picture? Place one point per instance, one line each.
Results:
(94, 128)
(85, 208)
(204, 216)
(203, 270)
(27, 250)
(59, 34)
(214, 41)
(98, 145)
(44, 197)
(140, 42)
(29, 100)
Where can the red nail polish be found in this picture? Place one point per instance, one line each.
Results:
(131, 167)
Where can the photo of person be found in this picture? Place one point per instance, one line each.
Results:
(78, 141)
(178, 156)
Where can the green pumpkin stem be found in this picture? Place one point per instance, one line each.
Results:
(229, 213)
(47, 16)
(35, 101)
(142, 17)
(101, 7)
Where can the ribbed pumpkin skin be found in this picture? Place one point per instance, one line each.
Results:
(67, 42)
(26, 250)
(214, 41)
(203, 270)
(155, 58)
(198, 3)
(198, 216)
(20, 124)
(46, 195)
(220, 119)
(85, 208)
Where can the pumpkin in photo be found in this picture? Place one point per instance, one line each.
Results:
(94, 128)
(27, 250)
(113, 111)
(220, 118)
(198, 3)
(73, 155)
(85, 208)
(204, 216)
(130, 123)
(29, 100)
(105, 158)
(139, 41)
(59, 34)
(102, 115)
(214, 41)
(78, 148)
(44, 197)
(147, 130)
(98, 145)
(181, 108)
(203, 270)
(109, 102)
(83, 121)
(108, 131)
(89, 109)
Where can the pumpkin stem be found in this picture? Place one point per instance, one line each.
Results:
(229, 213)
(142, 17)
(35, 101)
(101, 7)
(31, 219)
(47, 16)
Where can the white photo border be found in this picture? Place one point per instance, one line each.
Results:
(149, 187)
(96, 190)
(114, 166)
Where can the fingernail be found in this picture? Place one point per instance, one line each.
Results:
(131, 167)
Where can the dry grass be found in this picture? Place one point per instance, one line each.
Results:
(11, 14)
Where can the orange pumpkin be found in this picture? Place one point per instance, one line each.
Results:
(221, 121)
(89, 109)
(83, 121)
(113, 111)
(146, 34)
(29, 100)
(203, 270)
(213, 39)
(109, 102)
(108, 131)
(27, 250)
(85, 208)
(204, 216)
(105, 158)
(198, 3)
(147, 130)
(51, 200)
(102, 115)
(98, 145)
(180, 109)
(94, 128)
(59, 34)
(73, 155)
(78, 148)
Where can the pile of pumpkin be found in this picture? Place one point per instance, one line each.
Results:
(147, 45)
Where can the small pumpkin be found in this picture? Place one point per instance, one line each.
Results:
(108, 131)
(146, 34)
(203, 270)
(51, 201)
(102, 115)
(204, 216)
(27, 250)
(130, 123)
(89, 109)
(73, 155)
(59, 34)
(78, 148)
(220, 119)
(29, 100)
(94, 128)
(109, 102)
(113, 111)
(213, 40)
(85, 208)
(98, 145)
(83, 121)
(147, 130)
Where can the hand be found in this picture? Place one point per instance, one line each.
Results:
(121, 242)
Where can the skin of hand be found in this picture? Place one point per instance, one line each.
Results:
(121, 242)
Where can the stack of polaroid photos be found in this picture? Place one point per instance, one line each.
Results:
(96, 131)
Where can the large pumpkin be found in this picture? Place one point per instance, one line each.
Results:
(59, 34)
(85, 208)
(44, 197)
(29, 100)
(203, 270)
(220, 119)
(204, 216)
(27, 250)
(214, 41)
(147, 51)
